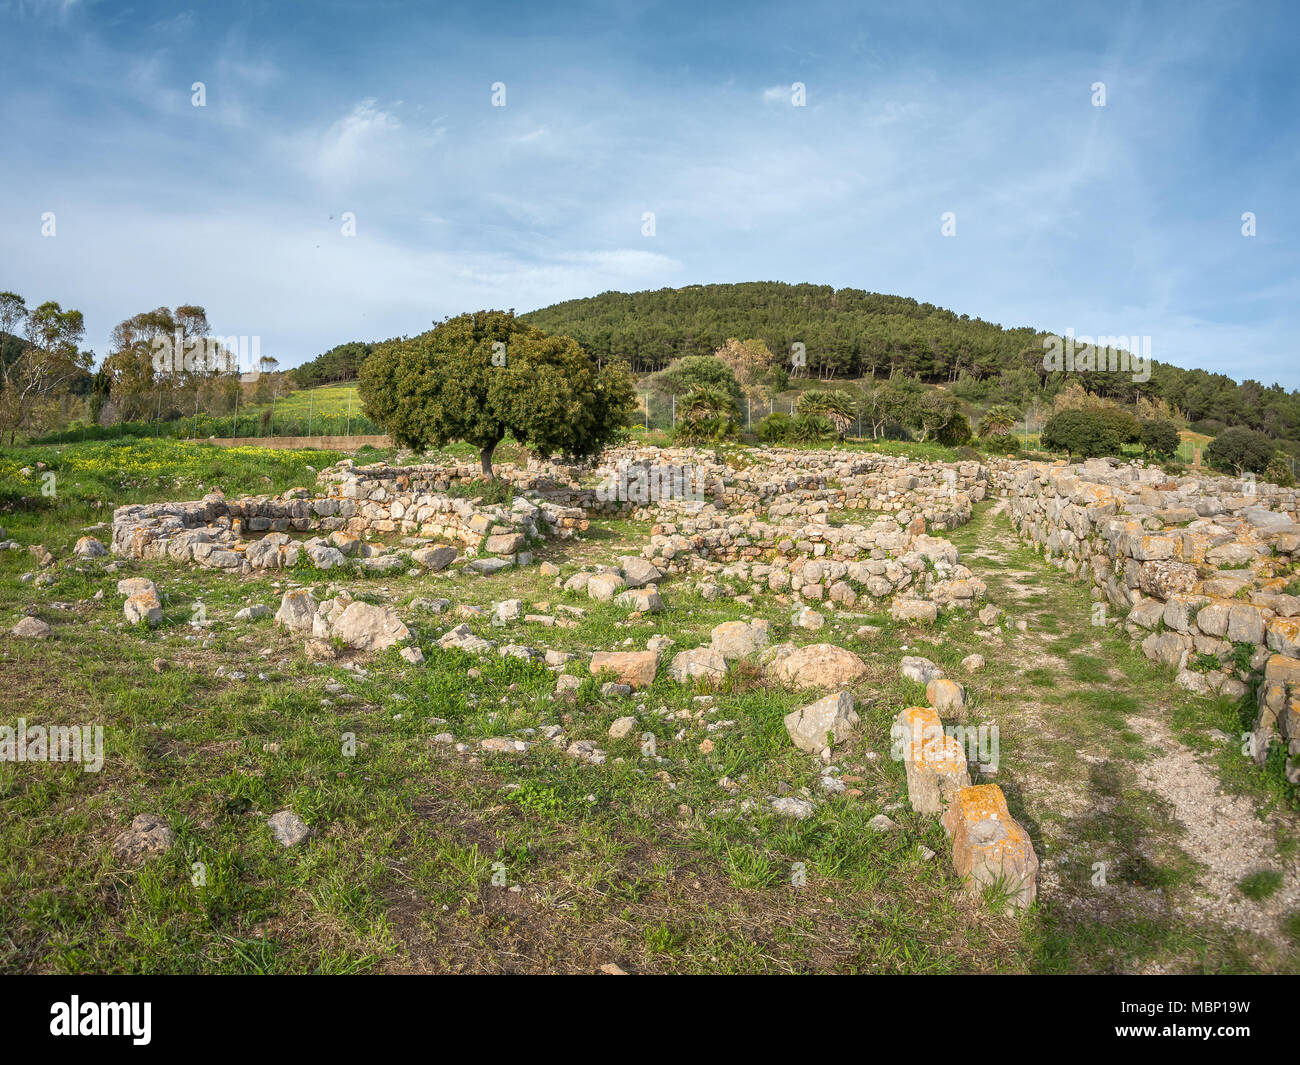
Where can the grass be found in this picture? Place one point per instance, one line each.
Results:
(1261, 885)
(432, 859)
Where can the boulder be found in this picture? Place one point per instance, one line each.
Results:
(638, 572)
(822, 724)
(32, 629)
(946, 696)
(641, 600)
(369, 628)
(920, 670)
(988, 847)
(297, 611)
(129, 586)
(504, 544)
(805, 617)
(934, 761)
(604, 586)
(914, 610)
(435, 558)
(740, 639)
(699, 663)
(819, 665)
(89, 547)
(145, 607)
(636, 669)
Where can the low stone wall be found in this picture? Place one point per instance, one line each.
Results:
(253, 532)
(814, 561)
(1199, 567)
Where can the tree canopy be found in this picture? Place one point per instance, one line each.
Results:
(484, 376)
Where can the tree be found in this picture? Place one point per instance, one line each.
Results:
(836, 406)
(1239, 450)
(933, 411)
(1080, 433)
(49, 360)
(707, 414)
(898, 401)
(1160, 438)
(13, 309)
(141, 389)
(1124, 425)
(750, 361)
(483, 376)
(685, 376)
(998, 420)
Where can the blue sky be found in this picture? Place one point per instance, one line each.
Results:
(1122, 220)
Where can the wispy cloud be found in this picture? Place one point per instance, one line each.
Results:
(1125, 216)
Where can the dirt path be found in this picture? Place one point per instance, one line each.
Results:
(1134, 825)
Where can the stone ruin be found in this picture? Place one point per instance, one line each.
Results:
(1196, 568)
(255, 532)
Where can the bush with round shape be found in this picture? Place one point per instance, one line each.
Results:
(1240, 450)
(1081, 434)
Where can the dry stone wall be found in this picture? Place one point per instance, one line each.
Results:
(1204, 569)
(256, 532)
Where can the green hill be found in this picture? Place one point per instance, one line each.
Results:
(849, 333)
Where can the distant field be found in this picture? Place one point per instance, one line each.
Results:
(330, 410)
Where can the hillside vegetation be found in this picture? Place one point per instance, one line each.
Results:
(849, 333)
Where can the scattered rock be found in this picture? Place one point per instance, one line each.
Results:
(989, 847)
(622, 728)
(634, 668)
(920, 670)
(947, 696)
(699, 663)
(822, 724)
(32, 629)
(819, 665)
(288, 828)
(148, 835)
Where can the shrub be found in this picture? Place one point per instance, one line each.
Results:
(706, 417)
(809, 428)
(998, 420)
(835, 406)
(1279, 473)
(954, 432)
(775, 428)
(1159, 438)
(1240, 450)
(1081, 434)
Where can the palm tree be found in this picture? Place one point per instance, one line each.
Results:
(809, 428)
(998, 420)
(707, 414)
(835, 405)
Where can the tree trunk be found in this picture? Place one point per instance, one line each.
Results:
(485, 460)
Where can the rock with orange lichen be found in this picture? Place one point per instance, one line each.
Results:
(934, 761)
(989, 848)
